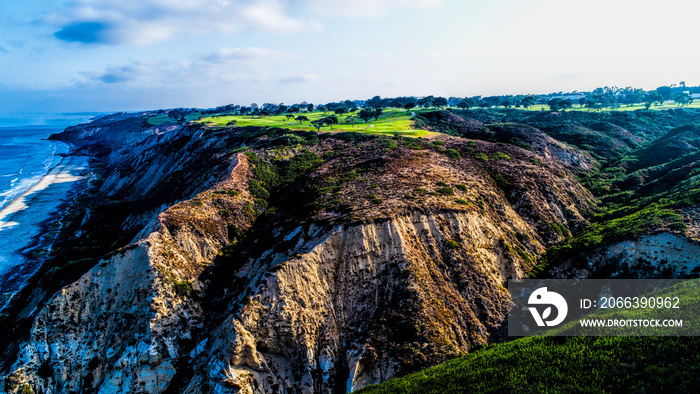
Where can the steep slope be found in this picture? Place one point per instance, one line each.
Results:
(121, 196)
(119, 328)
(317, 266)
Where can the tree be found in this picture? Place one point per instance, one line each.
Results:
(377, 113)
(653, 97)
(301, 119)
(351, 119)
(440, 102)
(529, 101)
(365, 114)
(491, 101)
(318, 123)
(682, 99)
(554, 104)
(374, 102)
(426, 101)
(350, 105)
(633, 96)
(289, 116)
(409, 105)
(466, 103)
(293, 109)
(566, 104)
(340, 111)
(330, 120)
(665, 92)
(507, 101)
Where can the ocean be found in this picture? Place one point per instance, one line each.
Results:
(35, 178)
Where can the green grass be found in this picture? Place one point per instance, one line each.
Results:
(391, 122)
(553, 365)
(608, 364)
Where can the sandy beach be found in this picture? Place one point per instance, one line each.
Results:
(22, 222)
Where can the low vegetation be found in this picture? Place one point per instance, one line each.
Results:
(602, 364)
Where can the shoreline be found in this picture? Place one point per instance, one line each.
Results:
(32, 221)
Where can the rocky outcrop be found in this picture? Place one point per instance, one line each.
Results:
(660, 255)
(120, 327)
(382, 258)
(114, 132)
(363, 303)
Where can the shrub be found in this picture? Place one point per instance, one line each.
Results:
(452, 153)
(500, 155)
(409, 143)
(257, 190)
(500, 181)
(388, 144)
(298, 165)
(452, 245)
(182, 287)
(373, 199)
(481, 156)
(461, 187)
(446, 191)
(462, 201)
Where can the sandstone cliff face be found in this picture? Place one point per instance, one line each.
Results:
(390, 273)
(361, 304)
(661, 255)
(119, 328)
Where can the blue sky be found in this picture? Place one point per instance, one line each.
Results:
(114, 55)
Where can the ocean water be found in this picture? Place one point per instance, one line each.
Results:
(35, 177)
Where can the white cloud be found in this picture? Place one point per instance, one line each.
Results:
(299, 78)
(359, 8)
(238, 55)
(150, 21)
(231, 65)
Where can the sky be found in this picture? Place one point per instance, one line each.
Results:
(131, 55)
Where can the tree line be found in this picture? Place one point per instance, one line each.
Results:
(600, 98)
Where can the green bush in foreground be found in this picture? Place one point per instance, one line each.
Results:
(563, 365)
(574, 364)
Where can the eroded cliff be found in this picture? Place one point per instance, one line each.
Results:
(319, 265)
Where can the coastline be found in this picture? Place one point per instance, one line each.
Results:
(31, 222)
